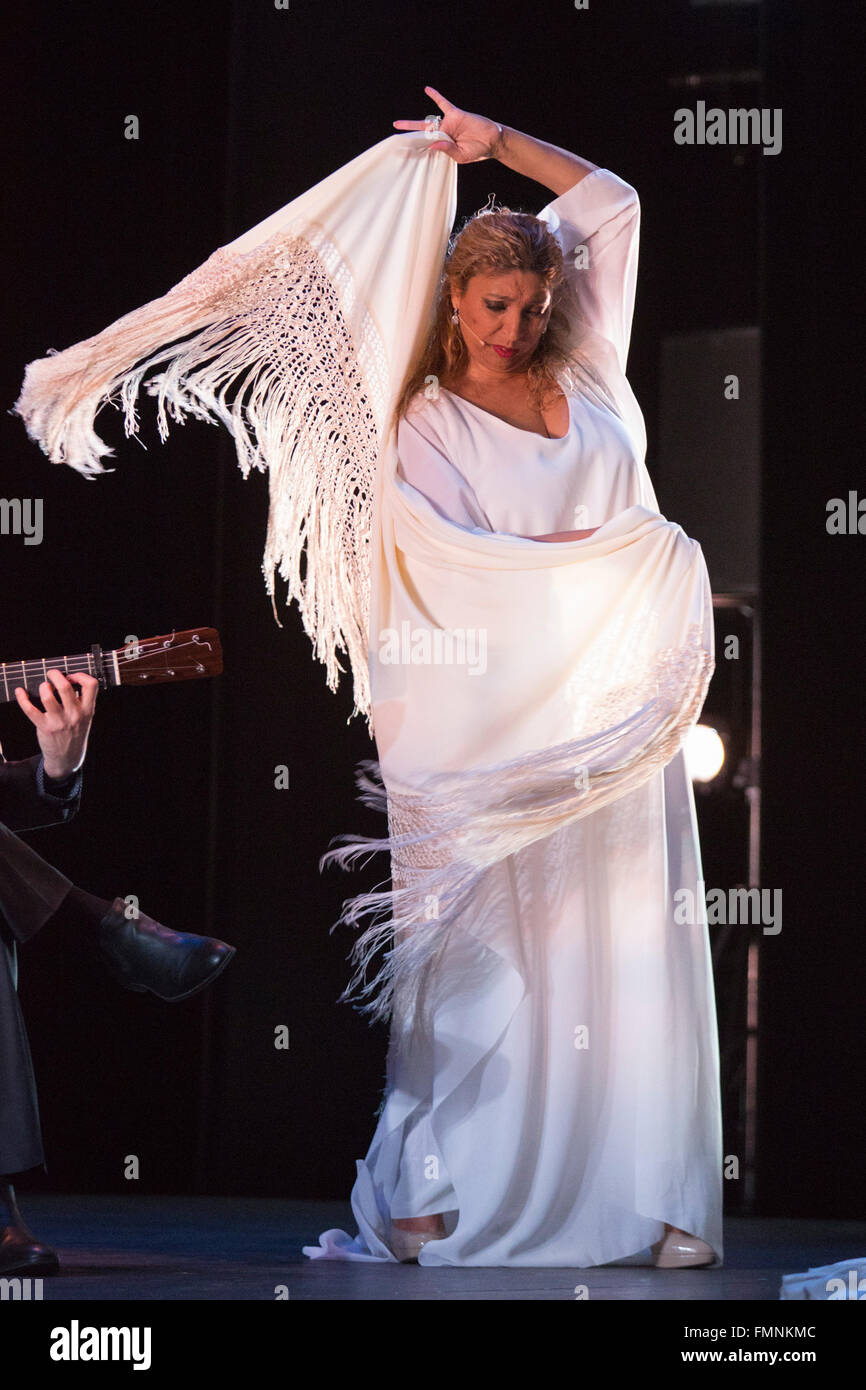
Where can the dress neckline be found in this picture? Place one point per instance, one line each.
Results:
(548, 438)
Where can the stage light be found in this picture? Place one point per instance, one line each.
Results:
(705, 753)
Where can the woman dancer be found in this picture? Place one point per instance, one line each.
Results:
(531, 641)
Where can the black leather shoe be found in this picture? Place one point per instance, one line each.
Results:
(143, 954)
(21, 1253)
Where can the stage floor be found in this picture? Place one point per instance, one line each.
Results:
(207, 1248)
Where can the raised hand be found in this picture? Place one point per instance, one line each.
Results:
(472, 137)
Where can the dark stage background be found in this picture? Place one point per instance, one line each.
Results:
(242, 107)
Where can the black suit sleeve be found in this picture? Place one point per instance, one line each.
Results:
(29, 799)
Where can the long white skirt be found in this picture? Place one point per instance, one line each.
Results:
(565, 1103)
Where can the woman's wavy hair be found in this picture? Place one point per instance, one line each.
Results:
(497, 239)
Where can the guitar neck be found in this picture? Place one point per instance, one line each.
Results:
(176, 656)
(31, 674)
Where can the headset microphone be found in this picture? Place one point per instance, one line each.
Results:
(465, 325)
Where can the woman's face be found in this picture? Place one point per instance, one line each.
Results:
(503, 314)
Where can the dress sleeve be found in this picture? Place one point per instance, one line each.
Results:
(424, 464)
(599, 219)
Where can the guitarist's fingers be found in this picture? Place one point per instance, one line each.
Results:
(26, 704)
(58, 685)
(88, 687)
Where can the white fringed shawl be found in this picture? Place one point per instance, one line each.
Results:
(598, 657)
(297, 337)
(599, 652)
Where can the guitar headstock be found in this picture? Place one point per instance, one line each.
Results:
(180, 656)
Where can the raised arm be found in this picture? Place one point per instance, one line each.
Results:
(595, 216)
(557, 169)
(471, 138)
(597, 224)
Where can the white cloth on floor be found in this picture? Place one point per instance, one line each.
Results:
(845, 1279)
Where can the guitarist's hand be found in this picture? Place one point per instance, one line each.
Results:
(62, 728)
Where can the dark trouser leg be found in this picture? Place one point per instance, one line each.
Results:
(141, 952)
(20, 1133)
(31, 889)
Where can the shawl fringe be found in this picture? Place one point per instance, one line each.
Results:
(273, 359)
(444, 835)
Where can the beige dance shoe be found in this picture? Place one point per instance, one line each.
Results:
(406, 1245)
(677, 1251)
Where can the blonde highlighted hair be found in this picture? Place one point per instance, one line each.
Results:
(492, 240)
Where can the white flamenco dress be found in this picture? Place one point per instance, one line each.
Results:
(564, 1102)
(553, 1082)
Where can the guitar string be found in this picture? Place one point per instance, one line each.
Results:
(68, 664)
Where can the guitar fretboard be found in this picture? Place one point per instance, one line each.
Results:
(31, 674)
